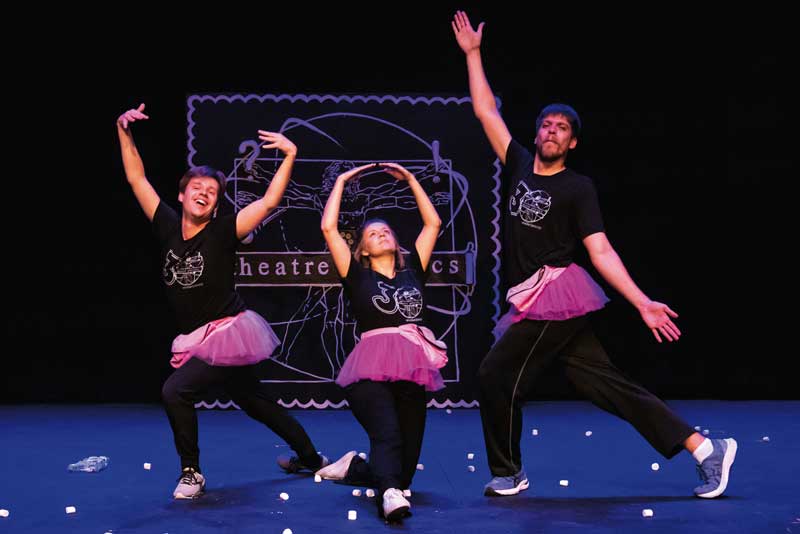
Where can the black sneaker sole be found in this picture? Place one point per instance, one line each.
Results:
(398, 513)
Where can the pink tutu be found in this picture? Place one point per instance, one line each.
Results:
(571, 293)
(243, 339)
(392, 356)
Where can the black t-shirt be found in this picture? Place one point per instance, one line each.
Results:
(380, 302)
(545, 217)
(198, 273)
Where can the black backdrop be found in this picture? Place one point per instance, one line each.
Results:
(687, 136)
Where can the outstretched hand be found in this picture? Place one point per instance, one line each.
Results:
(131, 116)
(658, 317)
(467, 38)
(277, 140)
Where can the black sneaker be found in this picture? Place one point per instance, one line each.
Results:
(293, 464)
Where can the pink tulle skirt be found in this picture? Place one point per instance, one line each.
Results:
(243, 339)
(388, 358)
(571, 293)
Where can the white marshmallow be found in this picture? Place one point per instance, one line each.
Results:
(564, 483)
(765, 438)
(654, 466)
(287, 531)
(147, 466)
(406, 493)
(647, 512)
(317, 478)
(70, 509)
(4, 513)
(370, 492)
(420, 467)
(470, 455)
(588, 433)
(284, 496)
(352, 515)
(535, 432)
(356, 493)
(471, 468)
(363, 455)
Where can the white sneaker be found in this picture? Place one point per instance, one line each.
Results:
(191, 484)
(395, 506)
(338, 469)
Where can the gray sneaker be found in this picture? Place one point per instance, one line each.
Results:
(715, 470)
(293, 464)
(190, 484)
(507, 485)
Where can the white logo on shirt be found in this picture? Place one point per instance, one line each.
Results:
(407, 300)
(530, 206)
(186, 271)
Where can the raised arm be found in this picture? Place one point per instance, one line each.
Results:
(134, 166)
(483, 102)
(254, 213)
(431, 223)
(340, 251)
(656, 315)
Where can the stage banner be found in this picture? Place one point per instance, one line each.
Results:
(283, 269)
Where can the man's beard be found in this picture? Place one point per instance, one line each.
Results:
(550, 157)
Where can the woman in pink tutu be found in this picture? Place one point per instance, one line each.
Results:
(221, 340)
(551, 211)
(397, 359)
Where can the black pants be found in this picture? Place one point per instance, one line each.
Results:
(182, 389)
(509, 371)
(393, 415)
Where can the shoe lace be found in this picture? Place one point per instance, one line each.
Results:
(188, 477)
(393, 494)
(709, 470)
(701, 473)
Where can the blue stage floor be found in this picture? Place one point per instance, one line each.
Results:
(609, 473)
